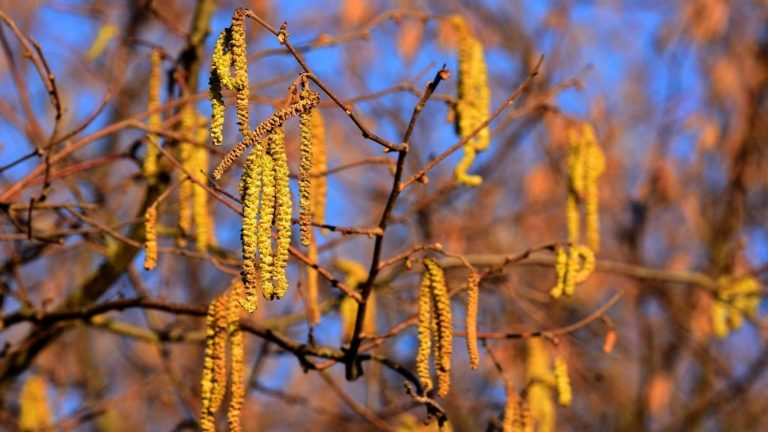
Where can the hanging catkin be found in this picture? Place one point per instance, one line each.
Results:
(305, 175)
(473, 293)
(237, 356)
(425, 332)
(283, 212)
(540, 383)
(154, 120)
(150, 232)
(435, 328)
(474, 99)
(319, 168)
(266, 215)
(250, 185)
(213, 382)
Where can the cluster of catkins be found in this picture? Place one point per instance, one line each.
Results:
(474, 100)
(222, 329)
(264, 184)
(194, 217)
(586, 163)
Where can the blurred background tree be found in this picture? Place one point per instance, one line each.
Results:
(676, 91)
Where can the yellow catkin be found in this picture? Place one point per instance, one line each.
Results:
(150, 232)
(474, 99)
(473, 293)
(35, 411)
(229, 51)
(320, 166)
(594, 166)
(272, 123)
(237, 356)
(200, 211)
(736, 298)
(213, 381)
(512, 410)
(425, 332)
(214, 90)
(561, 267)
(283, 212)
(266, 215)
(313, 282)
(540, 382)
(574, 259)
(586, 164)
(587, 262)
(305, 169)
(150, 166)
(249, 195)
(563, 382)
(441, 307)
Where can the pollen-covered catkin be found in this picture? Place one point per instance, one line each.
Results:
(214, 91)
(266, 215)
(512, 410)
(283, 212)
(425, 332)
(540, 383)
(473, 293)
(563, 382)
(474, 99)
(587, 262)
(150, 232)
(212, 384)
(561, 268)
(320, 166)
(305, 176)
(34, 409)
(249, 195)
(154, 120)
(237, 355)
(200, 211)
(441, 307)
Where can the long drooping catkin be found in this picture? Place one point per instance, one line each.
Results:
(540, 382)
(474, 100)
(312, 308)
(283, 212)
(213, 382)
(150, 232)
(305, 177)
(250, 185)
(154, 120)
(319, 168)
(266, 215)
(435, 327)
(425, 332)
(237, 355)
(473, 293)
(229, 51)
(586, 164)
